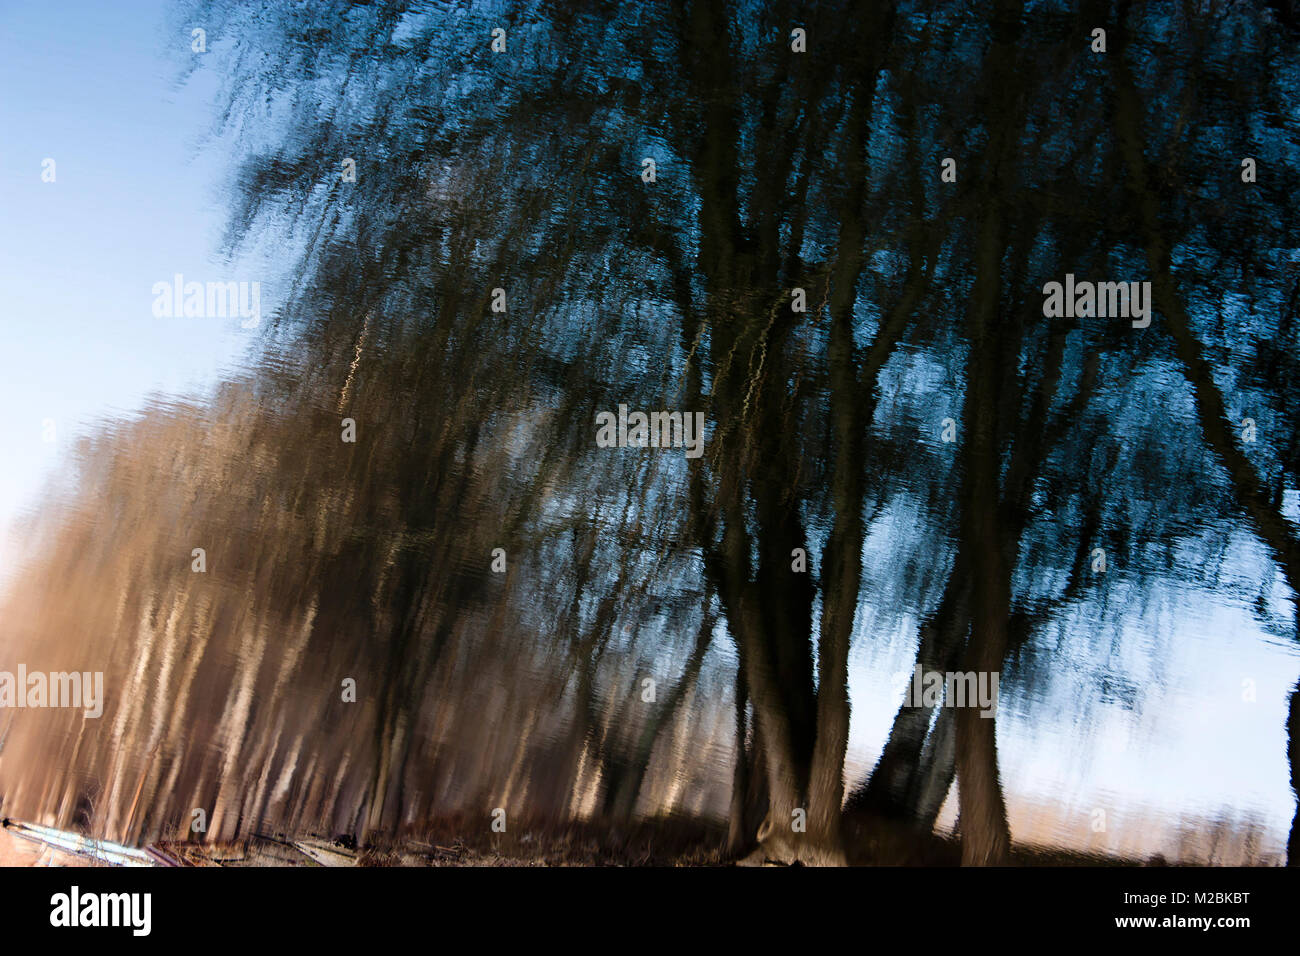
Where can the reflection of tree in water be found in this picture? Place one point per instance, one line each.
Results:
(775, 172)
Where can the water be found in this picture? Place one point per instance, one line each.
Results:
(384, 575)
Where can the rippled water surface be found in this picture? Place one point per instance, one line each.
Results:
(427, 416)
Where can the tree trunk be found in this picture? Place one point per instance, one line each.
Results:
(930, 785)
(1293, 754)
(896, 782)
(986, 836)
(738, 833)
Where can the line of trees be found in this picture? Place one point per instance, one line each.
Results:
(805, 268)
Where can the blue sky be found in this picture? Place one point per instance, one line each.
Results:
(137, 198)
